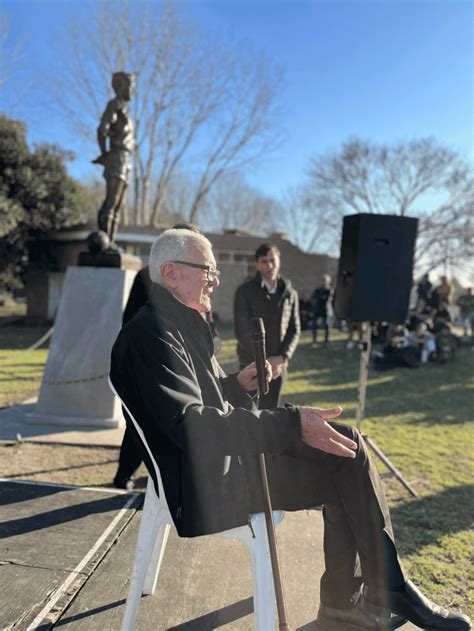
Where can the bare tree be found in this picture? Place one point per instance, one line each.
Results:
(93, 197)
(11, 67)
(198, 107)
(419, 178)
(7, 59)
(235, 204)
(307, 220)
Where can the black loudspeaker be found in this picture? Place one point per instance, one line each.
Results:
(375, 268)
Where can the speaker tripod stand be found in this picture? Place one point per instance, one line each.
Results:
(362, 390)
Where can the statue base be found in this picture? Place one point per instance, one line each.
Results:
(74, 390)
(110, 258)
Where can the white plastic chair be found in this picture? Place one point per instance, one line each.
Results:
(153, 534)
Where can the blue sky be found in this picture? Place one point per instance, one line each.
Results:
(380, 70)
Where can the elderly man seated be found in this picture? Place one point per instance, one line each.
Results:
(205, 433)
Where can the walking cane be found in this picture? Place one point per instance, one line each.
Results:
(258, 343)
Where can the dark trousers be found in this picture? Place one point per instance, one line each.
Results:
(323, 319)
(358, 537)
(129, 459)
(272, 398)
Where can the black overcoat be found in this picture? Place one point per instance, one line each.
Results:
(164, 369)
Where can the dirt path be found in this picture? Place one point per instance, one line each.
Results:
(81, 466)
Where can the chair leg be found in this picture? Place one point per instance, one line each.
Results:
(147, 535)
(156, 559)
(264, 603)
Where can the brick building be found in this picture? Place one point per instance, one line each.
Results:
(234, 251)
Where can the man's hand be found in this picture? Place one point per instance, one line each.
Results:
(278, 364)
(247, 377)
(317, 433)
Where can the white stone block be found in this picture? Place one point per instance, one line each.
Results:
(88, 321)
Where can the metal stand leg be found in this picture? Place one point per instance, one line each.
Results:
(363, 372)
(362, 390)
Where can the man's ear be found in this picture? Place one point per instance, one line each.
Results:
(169, 275)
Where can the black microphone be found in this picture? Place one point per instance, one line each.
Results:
(258, 343)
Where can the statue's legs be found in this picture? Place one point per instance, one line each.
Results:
(108, 216)
(114, 224)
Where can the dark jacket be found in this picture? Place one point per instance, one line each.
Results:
(252, 300)
(320, 300)
(138, 294)
(164, 369)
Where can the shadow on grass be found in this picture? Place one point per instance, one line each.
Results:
(16, 338)
(17, 365)
(425, 521)
(16, 378)
(438, 392)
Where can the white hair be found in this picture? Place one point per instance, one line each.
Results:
(174, 245)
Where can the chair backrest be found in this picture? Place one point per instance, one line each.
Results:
(161, 490)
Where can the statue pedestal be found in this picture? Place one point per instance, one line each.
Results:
(110, 258)
(75, 389)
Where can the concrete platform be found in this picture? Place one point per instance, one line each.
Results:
(205, 583)
(59, 567)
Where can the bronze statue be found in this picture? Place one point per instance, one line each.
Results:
(116, 124)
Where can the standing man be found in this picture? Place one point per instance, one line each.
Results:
(321, 303)
(271, 297)
(130, 457)
(441, 293)
(423, 292)
(466, 307)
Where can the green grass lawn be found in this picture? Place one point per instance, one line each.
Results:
(421, 418)
(21, 370)
(20, 374)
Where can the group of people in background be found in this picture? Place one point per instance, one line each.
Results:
(435, 303)
(428, 333)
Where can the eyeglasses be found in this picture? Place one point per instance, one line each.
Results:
(212, 274)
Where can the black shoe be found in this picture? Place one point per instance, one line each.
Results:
(124, 483)
(415, 607)
(330, 618)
